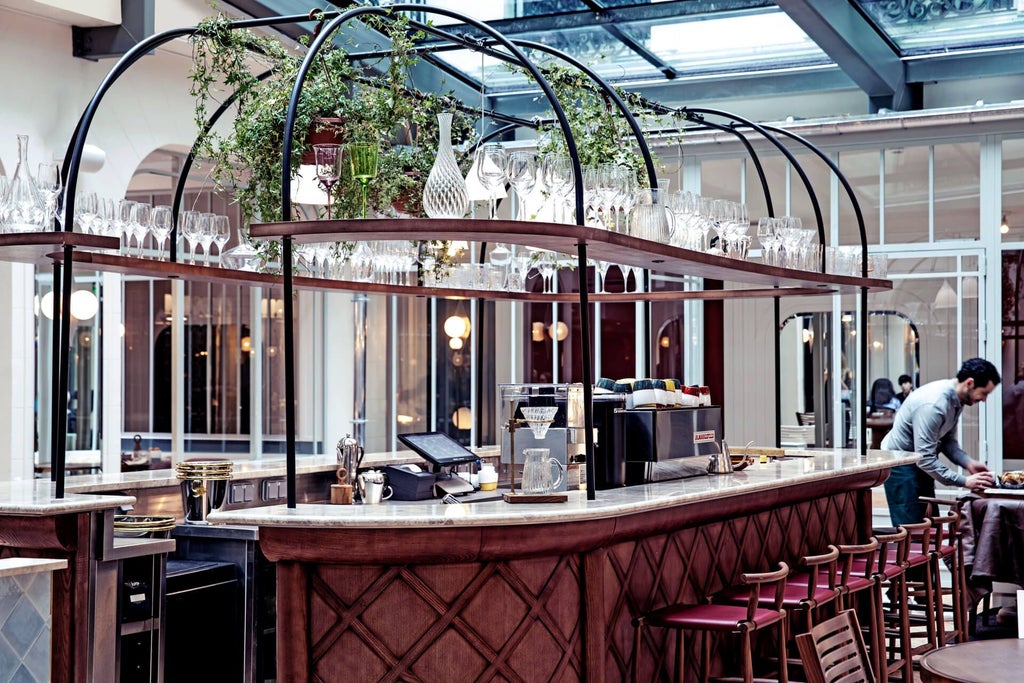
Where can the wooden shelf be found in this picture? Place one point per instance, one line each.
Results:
(129, 265)
(38, 247)
(601, 245)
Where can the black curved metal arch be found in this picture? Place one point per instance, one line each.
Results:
(70, 170)
(287, 146)
(685, 111)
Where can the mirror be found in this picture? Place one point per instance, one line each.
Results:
(893, 350)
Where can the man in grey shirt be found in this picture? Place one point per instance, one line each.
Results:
(926, 424)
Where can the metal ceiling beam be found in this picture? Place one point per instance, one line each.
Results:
(627, 40)
(678, 10)
(859, 50)
(946, 67)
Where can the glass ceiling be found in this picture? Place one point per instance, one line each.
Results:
(649, 44)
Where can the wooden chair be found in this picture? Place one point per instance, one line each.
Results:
(834, 652)
(742, 620)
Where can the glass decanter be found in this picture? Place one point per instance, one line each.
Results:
(25, 209)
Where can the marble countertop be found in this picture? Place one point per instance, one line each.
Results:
(241, 469)
(37, 497)
(799, 467)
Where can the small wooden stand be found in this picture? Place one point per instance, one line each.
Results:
(535, 497)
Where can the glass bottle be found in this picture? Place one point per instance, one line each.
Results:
(25, 211)
(445, 194)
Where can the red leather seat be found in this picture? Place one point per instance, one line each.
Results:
(740, 619)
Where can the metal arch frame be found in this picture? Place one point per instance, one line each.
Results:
(69, 171)
(862, 426)
(287, 145)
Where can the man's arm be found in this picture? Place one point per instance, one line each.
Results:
(929, 441)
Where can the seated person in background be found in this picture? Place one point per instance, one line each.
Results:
(906, 386)
(882, 396)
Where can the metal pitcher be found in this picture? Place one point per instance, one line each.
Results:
(720, 462)
(350, 456)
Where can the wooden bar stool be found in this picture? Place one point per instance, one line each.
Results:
(809, 589)
(893, 551)
(945, 548)
(857, 580)
(742, 620)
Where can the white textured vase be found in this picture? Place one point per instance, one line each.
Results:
(444, 194)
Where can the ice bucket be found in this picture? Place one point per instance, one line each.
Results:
(204, 487)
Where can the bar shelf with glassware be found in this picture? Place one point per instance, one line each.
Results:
(601, 245)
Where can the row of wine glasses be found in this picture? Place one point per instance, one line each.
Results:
(135, 223)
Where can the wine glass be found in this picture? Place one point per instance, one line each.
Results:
(522, 175)
(491, 171)
(546, 266)
(140, 224)
(558, 177)
(328, 168)
(363, 159)
(123, 223)
(222, 233)
(160, 221)
(206, 232)
(86, 211)
(49, 183)
(188, 228)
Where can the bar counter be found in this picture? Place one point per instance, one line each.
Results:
(541, 592)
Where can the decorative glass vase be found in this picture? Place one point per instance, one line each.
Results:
(24, 211)
(445, 194)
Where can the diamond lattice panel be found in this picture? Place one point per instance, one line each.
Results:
(500, 621)
(686, 565)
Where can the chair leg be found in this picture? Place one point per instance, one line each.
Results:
(680, 658)
(705, 656)
(940, 609)
(638, 625)
(748, 664)
(783, 647)
(878, 630)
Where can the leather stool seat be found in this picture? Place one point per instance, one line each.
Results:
(742, 619)
(713, 617)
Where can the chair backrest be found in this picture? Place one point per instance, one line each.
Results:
(834, 651)
(804, 419)
(755, 581)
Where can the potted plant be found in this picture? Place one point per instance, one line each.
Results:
(337, 98)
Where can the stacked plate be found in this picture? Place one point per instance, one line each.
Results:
(134, 526)
(204, 469)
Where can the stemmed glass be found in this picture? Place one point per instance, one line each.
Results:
(769, 239)
(363, 159)
(123, 223)
(602, 268)
(160, 221)
(140, 223)
(222, 233)
(86, 211)
(491, 171)
(206, 233)
(558, 177)
(49, 183)
(546, 266)
(328, 168)
(522, 175)
(188, 228)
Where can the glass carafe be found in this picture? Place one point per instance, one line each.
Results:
(25, 210)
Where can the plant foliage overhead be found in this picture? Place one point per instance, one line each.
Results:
(375, 105)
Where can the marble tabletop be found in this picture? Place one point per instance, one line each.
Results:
(38, 497)
(798, 467)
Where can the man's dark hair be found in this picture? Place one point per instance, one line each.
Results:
(980, 370)
(904, 378)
